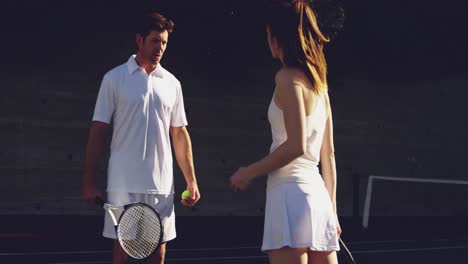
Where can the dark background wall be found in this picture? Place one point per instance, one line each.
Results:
(398, 80)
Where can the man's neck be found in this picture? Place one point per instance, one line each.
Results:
(144, 64)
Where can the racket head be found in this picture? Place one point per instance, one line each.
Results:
(139, 230)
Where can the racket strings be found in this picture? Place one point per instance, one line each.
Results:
(139, 231)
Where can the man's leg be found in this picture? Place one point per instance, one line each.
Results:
(164, 204)
(119, 257)
(159, 256)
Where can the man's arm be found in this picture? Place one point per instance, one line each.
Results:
(98, 135)
(183, 152)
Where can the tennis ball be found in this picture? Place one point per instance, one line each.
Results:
(186, 194)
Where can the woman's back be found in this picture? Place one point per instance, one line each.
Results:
(304, 168)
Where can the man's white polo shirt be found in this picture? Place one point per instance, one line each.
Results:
(141, 107)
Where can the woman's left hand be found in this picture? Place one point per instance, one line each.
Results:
(338, 227)
(240, 179)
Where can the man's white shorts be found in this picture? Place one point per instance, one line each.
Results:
(163, 203)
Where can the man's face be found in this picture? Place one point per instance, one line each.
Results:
(153, 46)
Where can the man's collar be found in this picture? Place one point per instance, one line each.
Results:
(133, 66)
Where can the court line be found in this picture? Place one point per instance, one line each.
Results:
(359, 251)
(263, 257)
(109, 251)
(405, 241)
(176, 259)
(53, 253)
(406, 250)
(94, 262)
(226, 248)
(23, 235)
(212, 249)
(216, 258)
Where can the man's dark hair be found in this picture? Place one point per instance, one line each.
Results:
(153, 21)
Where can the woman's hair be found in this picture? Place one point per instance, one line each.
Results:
(294, 25)
(153, 21)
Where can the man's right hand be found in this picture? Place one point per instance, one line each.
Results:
(98, 134)
(89, 192)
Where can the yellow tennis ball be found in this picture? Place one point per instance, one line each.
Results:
(186, 194)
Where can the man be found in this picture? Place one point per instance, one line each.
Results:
(144, 104)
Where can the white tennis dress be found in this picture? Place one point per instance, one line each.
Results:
(299, 212)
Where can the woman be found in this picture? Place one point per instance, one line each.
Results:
(301, 224)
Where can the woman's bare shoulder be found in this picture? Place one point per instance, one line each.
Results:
(290, 76)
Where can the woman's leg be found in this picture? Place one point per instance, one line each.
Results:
(288, 255)
(322, 257)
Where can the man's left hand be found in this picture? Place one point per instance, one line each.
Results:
(194, 198)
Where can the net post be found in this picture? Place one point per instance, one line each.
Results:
(367, 203)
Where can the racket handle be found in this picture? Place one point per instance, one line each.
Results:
(99, 201)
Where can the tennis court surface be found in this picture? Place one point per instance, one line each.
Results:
(232, 239)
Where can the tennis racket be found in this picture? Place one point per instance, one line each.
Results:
(139, 228)
(346, 253)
